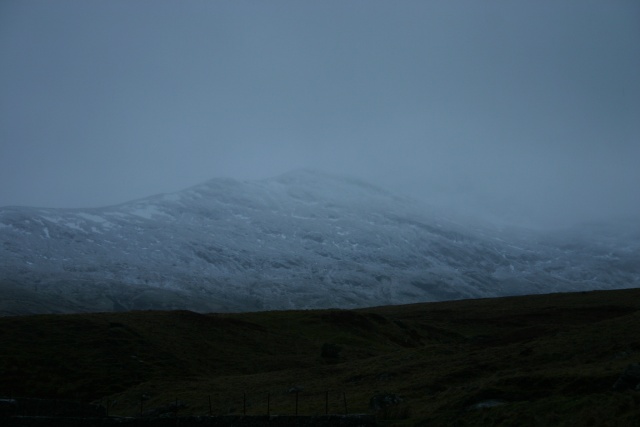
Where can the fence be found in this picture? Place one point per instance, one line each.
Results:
(262, 404)
(32, 412)
(220, 421)
(291, 402)
(34, 407)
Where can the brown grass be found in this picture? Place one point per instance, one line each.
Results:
(548, 359)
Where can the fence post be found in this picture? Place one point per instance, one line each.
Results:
(244, 403)
(268, 403)
(344, 398)
(326, 402)
(296, 402)
(210, 413)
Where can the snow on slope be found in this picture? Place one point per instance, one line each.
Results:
(300, 240)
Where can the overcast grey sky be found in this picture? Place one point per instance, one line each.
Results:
(521, 108)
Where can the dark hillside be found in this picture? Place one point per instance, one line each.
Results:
(534, 360)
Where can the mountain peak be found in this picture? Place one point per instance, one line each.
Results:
(304, 239)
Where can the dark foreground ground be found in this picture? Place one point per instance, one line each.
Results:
(544, 360)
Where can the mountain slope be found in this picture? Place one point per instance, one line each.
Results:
(300, 240)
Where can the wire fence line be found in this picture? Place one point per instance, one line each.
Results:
(33, 412)
(292, 402)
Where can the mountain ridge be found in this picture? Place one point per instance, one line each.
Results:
(304, 239)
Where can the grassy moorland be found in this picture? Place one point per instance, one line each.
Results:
(529, 361)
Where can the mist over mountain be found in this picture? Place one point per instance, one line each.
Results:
(300, 240)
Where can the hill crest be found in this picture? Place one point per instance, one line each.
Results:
(300, 240)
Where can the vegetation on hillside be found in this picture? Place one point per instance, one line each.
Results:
(528, 361)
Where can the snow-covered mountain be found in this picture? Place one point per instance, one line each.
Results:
(300, 240)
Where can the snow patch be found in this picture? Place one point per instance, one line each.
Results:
(94, 218)
(55, 220)
(173, 197)
(73, 225)
(147, 212)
